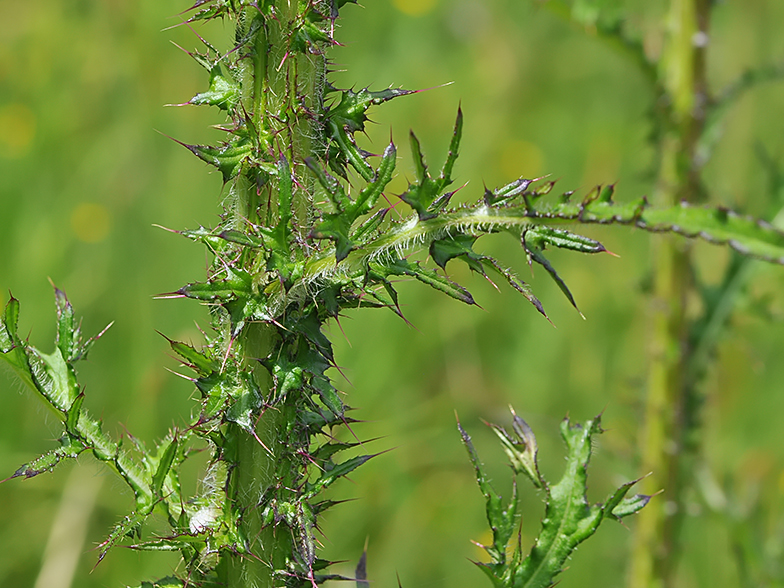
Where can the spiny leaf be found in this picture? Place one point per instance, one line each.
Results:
(286, 374)
(351, 153)
(163, 463)
(69, 449)
(74, 412)
(501, 517)
(459, 246)
(167, 582)
(326, 451)
(338, 471)
(369, 195)
(541, 236)
(328, 394)
(67, 331)
(56, 380)
(542, 225)
(8, 326)
(308, 36)
(332, 186)
(630, 506)
(516, 283)
(350, 112)
(716, 225)
(12, 350)
(454, 145)
(197, 359)
(427, 191)
(53, 377)
(568, 519)
(507, 192)
(310, 327)
(337, 226)
(228, 158)
(237, 283)
(401, 267)
(215, 9)
(535, 254)
(223, 93)
(364, 230)
(233, 236)
(129, 526)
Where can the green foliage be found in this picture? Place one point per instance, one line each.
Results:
(295, 248)
(568, 519)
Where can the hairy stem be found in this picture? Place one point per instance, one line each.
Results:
(277, 86)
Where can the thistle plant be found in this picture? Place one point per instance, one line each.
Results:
(306, 234)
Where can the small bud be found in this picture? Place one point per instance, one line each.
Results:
(521, 449)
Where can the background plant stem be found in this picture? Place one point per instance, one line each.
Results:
(668, 408)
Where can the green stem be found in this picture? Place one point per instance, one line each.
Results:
(668, 404)
(280, 88)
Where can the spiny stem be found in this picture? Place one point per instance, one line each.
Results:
(273, 80)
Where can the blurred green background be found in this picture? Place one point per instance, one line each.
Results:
(83, 84)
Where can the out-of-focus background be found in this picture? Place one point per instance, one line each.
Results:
(84, 176)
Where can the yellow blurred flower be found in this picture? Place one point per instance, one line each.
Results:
(17, 130)
(415, 7)
(90, 222)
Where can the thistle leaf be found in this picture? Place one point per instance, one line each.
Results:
(569, 519)
(338, 471)
(369, 195)
(167, 582)
(223, 93)
(507, 193)
(350, 112)
(163, 463)
(228, 158)
(629, 506)
(236, 284)
(521, 449)
(337, 226)
(502, 518)
(69, 449)
(535, 254)
(196, 359)
(67, 332)
(128, 527)
(401, 267)
(427, 191)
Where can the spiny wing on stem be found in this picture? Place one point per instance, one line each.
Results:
(365, 257)
(452, 233)
(53, 376)
(522, 209)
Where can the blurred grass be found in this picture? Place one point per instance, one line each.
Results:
(85, 175)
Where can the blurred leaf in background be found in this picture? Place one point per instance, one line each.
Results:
(83, 86)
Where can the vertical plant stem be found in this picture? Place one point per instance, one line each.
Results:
(280, 88)
(668, 407)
